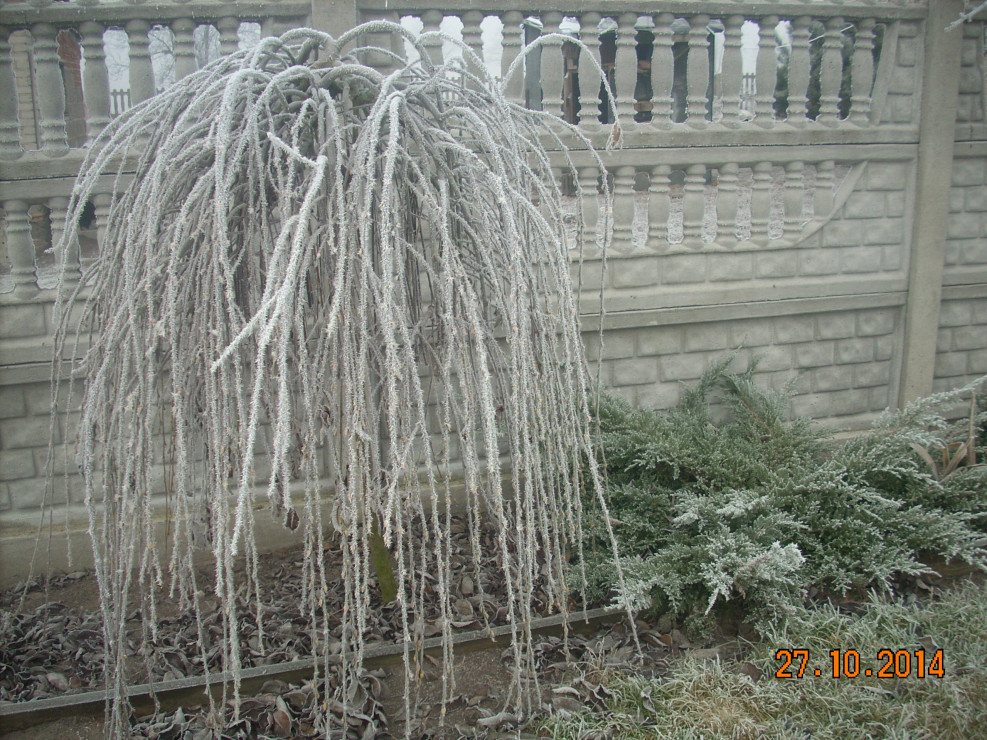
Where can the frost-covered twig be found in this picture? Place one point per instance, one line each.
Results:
(966, 16)
(362, 276)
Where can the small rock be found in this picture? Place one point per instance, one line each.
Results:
(57, 681)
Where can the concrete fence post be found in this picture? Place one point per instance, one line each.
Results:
(937, 121)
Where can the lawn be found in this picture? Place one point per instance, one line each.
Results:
(745, 698)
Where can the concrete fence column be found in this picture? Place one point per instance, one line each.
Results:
(937, 121)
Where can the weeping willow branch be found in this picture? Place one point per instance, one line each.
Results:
(361, 279)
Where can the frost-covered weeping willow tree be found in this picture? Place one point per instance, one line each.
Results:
(363, 276)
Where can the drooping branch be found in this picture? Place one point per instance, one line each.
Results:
(360, 278)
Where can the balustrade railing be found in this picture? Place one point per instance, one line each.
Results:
(742, 204)
(65, 37)
(710, 66)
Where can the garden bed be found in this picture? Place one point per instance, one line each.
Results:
(51, 658)
(586, 681)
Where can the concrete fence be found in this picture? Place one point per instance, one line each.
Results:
(805, 180)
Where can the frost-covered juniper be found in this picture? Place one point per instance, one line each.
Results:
(362, 275)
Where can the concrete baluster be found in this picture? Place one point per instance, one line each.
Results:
(733, 70)
(589, 77)
(183, 30)
(95, 79)
(658, 206)
(662, 67)
(798, 71)
(699, 71)
(626, 67)
(822, 201)
(551, 64)
(694, 201)
(831, 72)
(20, 249)
(623, 205)
(726, 204)
(431, 20)
(676, 197)
(229, 36)
(767, 71)
(49, 90)
(512, 47)
(141, 73)
(57, 213)
(589, 189)
(472, 35)
(380, 60)
(793, 200)
(862, 74)
(761, 200)
(10, 125)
